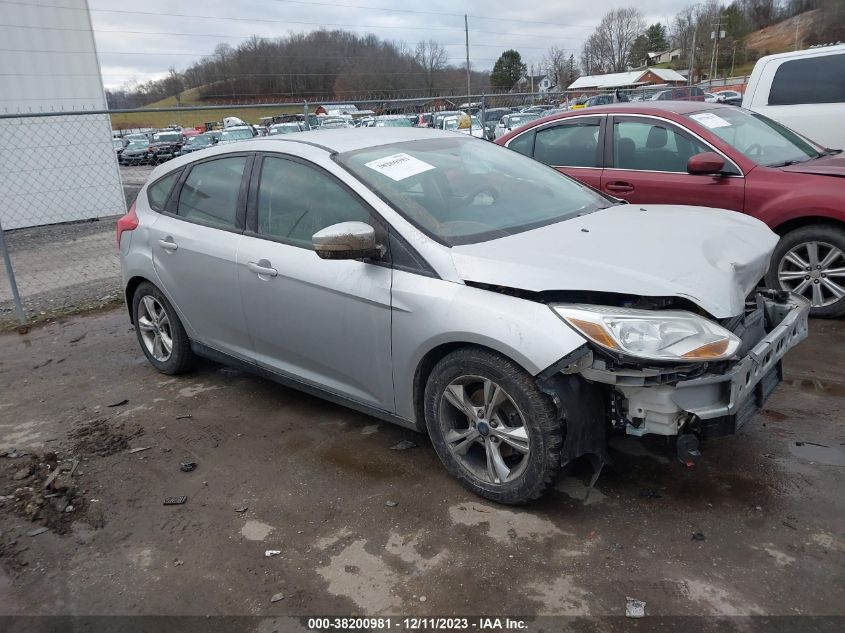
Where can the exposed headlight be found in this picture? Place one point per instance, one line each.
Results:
(667, 335)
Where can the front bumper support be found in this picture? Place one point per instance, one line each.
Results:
(713, 403)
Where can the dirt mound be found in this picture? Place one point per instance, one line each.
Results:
(41, 489)
(103, 437)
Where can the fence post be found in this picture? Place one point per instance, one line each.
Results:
(305, 113)
(10, 273)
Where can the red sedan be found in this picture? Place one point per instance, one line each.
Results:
(705, 154)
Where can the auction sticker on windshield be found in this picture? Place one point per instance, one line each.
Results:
(708, 119)
(399, 166)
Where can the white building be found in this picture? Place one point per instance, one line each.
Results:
(53, 169)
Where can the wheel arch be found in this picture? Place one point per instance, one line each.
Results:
(129, 293)
(807, 220)
(434, 355)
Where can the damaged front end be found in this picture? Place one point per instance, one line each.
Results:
(689, 400)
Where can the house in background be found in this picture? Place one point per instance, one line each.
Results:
(534, 83)
(631, 79)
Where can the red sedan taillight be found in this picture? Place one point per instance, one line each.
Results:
(128, 222)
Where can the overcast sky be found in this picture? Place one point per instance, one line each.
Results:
(141, 40)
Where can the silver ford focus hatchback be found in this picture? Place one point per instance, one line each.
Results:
(462, 290)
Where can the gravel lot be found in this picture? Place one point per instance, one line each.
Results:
(66, 267)
(284, 471)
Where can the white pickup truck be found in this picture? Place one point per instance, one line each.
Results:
(803, 90)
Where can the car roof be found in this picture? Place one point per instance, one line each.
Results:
(647, 107)
(348, 139)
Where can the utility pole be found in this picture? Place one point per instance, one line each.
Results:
(466, 34)
(797, 24)
(714, 62)
(692, 58)
(733, 60)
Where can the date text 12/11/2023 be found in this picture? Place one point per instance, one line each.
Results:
(417, 624)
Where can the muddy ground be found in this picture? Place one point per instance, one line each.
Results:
(279, 470)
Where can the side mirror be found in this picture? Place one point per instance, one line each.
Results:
(347, 240)
(706, 163)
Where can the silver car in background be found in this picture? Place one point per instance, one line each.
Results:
(461, 290)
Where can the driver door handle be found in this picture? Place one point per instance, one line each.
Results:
(168, 244)
(262, 268)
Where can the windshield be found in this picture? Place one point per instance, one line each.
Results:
(166, 137)
(235, 135)
(494, 114)
(393, 123)
(117, 143)
(284, 129)
(137, 144)
(515, 120)
(461, 191)
(756, 137)
(202, 139)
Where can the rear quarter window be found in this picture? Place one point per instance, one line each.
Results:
(159, 191)
(810, 80)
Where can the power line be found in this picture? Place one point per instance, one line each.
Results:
(350, 6)
(262, 20)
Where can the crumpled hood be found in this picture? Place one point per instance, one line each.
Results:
(710, 256)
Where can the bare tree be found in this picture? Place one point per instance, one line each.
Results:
(432, 57)
(610, 44)
(554, 64)
(173, 85)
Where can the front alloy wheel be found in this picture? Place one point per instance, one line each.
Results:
(492, 427)
(815, 270)
(810, 261)
(484, 429)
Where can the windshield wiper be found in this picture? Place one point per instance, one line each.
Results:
(786, 163)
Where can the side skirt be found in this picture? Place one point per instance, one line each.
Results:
(294, 383)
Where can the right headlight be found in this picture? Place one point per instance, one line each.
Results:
(668, 335)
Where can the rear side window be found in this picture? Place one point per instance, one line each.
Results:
(159, 191)
(524, 144)
(811, 80)
(210, 193)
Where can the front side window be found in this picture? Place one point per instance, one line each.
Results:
(811, 80)
(159, 191)
(460, 191)
(295, 201)
(764, 141)
(652, 146)
(574, 144)
(210, 193)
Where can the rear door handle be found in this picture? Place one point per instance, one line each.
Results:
(621, 187)
(168, 244)
(262, 268)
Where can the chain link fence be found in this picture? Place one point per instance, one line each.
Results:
(61, 189)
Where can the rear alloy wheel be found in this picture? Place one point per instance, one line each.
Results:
(492, 427)
(160, 333)
(811, 262)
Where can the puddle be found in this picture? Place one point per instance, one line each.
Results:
(828, 455)
(823, 387)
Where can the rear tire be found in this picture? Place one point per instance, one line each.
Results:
(492, 427)
(160, 332)
(810, 261)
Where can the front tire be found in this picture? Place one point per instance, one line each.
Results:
(160, 332)
(810, 261)
(492, 427)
